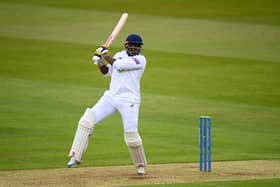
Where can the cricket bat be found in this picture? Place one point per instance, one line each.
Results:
(116, 30)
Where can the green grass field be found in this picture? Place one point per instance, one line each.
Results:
(204, 57)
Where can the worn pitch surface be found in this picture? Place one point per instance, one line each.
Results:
(156, 174)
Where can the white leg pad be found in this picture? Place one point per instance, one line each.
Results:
(81, 139)
(135, 146)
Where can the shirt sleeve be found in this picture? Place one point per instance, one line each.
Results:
(130, 63)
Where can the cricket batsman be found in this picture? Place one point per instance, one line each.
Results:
(123, 96)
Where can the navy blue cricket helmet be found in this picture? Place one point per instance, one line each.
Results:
(134, 38)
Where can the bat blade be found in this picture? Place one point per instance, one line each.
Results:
(116, 30)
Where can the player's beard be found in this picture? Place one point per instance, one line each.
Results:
(132, 51)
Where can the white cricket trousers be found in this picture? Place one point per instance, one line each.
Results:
(107, 106)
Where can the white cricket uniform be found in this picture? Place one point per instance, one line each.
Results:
(123, 95)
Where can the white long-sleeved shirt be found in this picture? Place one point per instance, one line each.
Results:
(126, 73)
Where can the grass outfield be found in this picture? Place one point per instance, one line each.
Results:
(212, 58)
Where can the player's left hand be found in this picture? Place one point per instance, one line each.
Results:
(101, 51)
(98, 60)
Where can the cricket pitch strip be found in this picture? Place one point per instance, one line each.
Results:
(156, 174)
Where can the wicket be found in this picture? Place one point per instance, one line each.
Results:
(205, 143)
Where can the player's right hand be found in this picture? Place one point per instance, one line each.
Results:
(101, 51)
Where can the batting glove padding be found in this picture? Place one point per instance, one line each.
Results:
(101, 51)
(97, 59)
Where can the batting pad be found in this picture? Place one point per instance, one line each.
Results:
(81, 139)
(135, 146)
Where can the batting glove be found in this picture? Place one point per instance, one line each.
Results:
(98, 60)
(101, 51)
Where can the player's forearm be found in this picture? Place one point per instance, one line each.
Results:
(104, 69)
(109, 59)
(130, 64)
